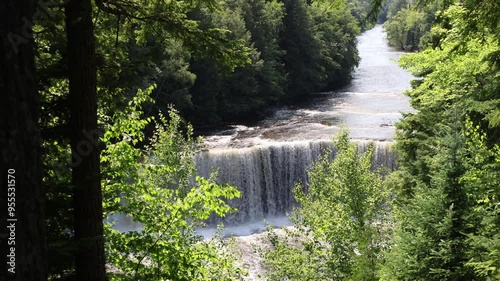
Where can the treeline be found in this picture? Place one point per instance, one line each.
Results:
(295, 49)
(447, 214)
(286, 51)
(409, 23)
(438, 216)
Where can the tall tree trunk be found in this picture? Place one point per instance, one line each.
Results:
(20, 143)
(87, 195)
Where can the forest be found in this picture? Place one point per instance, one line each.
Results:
(104, 105)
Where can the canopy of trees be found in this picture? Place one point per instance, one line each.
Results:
(409, 23)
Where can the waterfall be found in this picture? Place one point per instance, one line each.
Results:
(266, 174)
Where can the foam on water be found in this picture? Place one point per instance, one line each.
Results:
(267, 174)
(246, 229)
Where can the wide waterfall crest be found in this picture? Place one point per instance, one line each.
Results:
(266, 174)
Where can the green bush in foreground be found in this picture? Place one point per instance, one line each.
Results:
(159, 188)
(340, 225)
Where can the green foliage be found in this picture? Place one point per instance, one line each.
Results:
(314, 49)
(447, 216)
(430, 241)
(336, 31)
(171, 18)
(264, 20)
(340, 226)
(482, 181)
(305, 74)
(157, 188)
(293, 256)
(460, 78)
(409, 24)
(217, 93)
(319, 43)
(360, 9)
(58, 197)
(450, 226)
(405, 29)
(138, 43)
(217, 61)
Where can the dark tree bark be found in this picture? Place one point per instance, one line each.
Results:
(20, 144)
(87, 195)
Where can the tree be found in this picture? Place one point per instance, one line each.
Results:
(87, 193)
(82, 104)
(305, 75)
(233, 94)
(335, 31)
(360, 10)
(409, 25)
(405, 29)
(139, 43)
(340, 226)
(20, 142)
(432, 225)
(482, 182)
(264, 20)
(159, 189)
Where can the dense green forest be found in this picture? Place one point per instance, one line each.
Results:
(223, 64)
(98, 101)
(218, 63)
(409, 23)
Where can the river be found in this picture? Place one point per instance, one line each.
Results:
(369, 106)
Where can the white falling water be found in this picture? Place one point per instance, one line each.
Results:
(266, 174)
